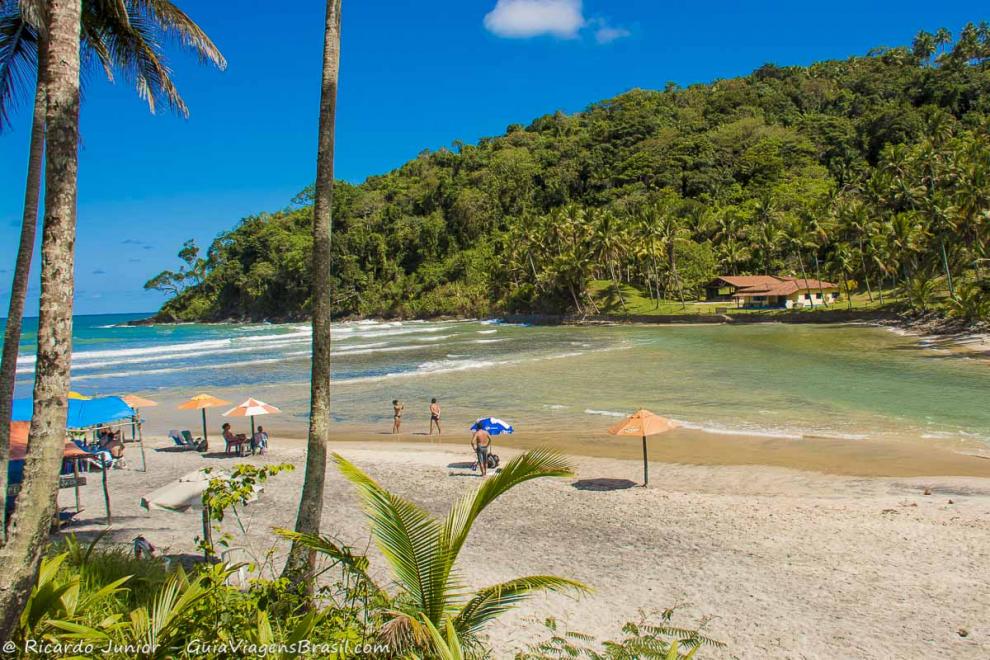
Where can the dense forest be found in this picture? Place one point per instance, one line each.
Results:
(873, 172)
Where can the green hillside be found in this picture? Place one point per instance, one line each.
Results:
(871, 172)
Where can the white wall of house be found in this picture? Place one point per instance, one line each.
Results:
(804, 299)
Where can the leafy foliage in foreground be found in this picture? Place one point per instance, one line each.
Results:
(641, 641)
(432, 611)
(99, 597)
(870, 172)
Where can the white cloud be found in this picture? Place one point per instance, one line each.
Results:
(520, 19)
(606, 34)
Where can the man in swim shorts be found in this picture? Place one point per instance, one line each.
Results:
(481, 442)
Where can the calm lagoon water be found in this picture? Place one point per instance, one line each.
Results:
(835, 381)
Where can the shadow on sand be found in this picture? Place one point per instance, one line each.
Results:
(603, 484)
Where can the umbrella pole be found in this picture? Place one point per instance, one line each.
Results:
(205, 438)
(646, 465)
(252, 427)
(75, 475)
(140, 439)
(106, 493)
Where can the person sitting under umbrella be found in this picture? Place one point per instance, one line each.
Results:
(260, 441)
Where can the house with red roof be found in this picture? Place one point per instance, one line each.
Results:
(771, 291)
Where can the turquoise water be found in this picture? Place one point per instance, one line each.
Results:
(835, 381)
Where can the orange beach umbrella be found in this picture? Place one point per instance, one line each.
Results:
(137, 402)
(201, 402)
(252, 408)
(643, 423)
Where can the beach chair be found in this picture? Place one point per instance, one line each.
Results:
(100, 459)
(237, 444)
(196, 444)
(179, 441)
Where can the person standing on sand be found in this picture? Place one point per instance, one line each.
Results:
(435, 416)
(481, 443)
(397, 409)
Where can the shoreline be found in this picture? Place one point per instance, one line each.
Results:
(869, 457)
(944, 332)
(690, 447)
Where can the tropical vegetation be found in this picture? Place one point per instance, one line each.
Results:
(869, 172)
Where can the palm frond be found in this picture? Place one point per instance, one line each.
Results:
(130, 44)
(491, 602)
(356, 564)
(531, 465)
(408, 537)
(174, 21)
(18, 61)
(444, 648)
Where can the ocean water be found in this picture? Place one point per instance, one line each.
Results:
(777, 380)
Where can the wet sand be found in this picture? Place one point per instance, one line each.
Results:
(858, 458)
(838, 456)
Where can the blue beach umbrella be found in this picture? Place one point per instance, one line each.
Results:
(493, 425)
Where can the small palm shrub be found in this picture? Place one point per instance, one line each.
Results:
(431, 603)
(972, 302)
(920, 293)
(640, 641)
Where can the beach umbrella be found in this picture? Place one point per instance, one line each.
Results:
(252, 408)
(201, 402)
(79, 397)
(70, 452)
(493, 425)
(138, 402)
(643, 423)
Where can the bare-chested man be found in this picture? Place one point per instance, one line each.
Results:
(435, 416)
(481, 442)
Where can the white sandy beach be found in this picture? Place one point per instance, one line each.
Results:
(775, 562)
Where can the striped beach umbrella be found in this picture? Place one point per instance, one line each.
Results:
(252, 408)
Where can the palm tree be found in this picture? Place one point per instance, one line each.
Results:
(19, 45)
(608, 240)
(299, 566)
(422, 552)
(20, 556)
(842, 264)
(122, 35)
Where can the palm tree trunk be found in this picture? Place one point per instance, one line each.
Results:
(818, 274)
(20, 557)
(672, 262)
(948, 273)
(849, 297)
(301, 563)
(804, 274)
(866, 275)
(22, 272)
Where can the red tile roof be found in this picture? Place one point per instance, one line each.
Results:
(772, 285)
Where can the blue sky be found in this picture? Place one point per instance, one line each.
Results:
(414, 75)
